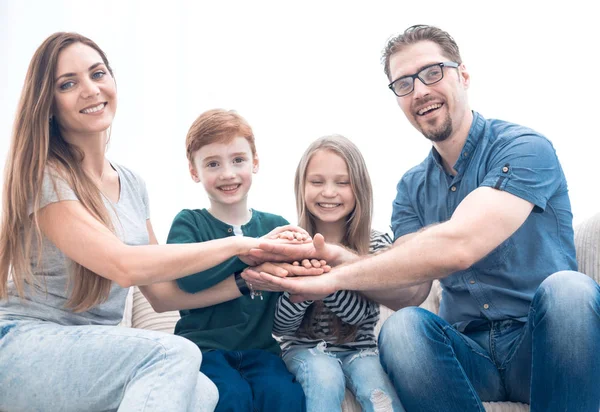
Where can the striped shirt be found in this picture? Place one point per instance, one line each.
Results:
(351, 307)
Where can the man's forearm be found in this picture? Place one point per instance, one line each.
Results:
(432, 254)
(399, 298)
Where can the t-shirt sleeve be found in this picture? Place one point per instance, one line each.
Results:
(144, 194)
(405, 219)
(527, 167)
(54, 189)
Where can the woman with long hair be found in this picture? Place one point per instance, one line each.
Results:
(75, 234)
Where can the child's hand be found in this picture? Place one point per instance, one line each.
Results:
(313, 263)
(289, 233)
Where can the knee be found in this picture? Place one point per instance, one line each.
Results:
(567, 292)
(403, 327)
(320, 370)
(181, 351)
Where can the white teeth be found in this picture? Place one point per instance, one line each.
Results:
(329, 205)
(430, 107)
(227, 188)
(93, 109)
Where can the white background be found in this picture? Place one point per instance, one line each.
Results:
(300, 70)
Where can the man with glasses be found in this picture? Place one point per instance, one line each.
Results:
(487, 213)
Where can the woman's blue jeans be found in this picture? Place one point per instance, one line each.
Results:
(48, 367)
(551, 362)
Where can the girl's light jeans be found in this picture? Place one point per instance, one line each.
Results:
(49, 367)
(325, 375)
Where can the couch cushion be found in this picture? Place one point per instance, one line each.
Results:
(144, 317)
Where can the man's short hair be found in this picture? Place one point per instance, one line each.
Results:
(417, 33)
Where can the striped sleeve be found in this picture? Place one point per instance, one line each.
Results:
(288, 315)
(349, 306)
(379, 241)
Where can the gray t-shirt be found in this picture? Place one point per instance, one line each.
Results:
(47, 301)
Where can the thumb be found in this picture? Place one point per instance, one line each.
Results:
(319, 244)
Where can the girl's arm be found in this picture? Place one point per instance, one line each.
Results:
(83, 239)
(288, 315)
(351, 307)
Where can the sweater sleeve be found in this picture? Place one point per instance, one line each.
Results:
(349, 306)
(185, 230)
(288, 315)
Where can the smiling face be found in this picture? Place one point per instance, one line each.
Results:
(85, 96)
(225, 170)
(327, 190)
(437, 110)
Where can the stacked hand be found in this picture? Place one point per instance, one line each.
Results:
(301, 278)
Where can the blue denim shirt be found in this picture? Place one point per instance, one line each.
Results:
(507, 157)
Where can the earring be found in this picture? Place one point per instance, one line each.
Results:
(50, 119)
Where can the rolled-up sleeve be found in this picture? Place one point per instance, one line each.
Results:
(526, 167)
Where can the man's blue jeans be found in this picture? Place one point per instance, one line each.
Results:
(551, 362)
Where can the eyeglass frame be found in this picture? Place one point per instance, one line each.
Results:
(453, 65)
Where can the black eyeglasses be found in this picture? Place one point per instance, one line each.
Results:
(428, 75)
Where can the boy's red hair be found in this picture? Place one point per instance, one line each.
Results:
(217, 126)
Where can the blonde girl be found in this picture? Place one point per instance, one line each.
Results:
(330, 344)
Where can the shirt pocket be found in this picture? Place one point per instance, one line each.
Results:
(497, 257)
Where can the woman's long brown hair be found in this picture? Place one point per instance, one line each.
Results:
(37, 148)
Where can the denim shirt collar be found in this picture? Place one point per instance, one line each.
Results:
(475, 134)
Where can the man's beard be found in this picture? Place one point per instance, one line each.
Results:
(441, 133)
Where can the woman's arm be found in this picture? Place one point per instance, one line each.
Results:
(166, 296)
(82, 238)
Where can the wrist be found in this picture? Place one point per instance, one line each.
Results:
(243, 244)
(241, 284)
(341, 255)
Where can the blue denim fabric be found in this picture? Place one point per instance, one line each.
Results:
(47, 367)
(252, 380)
(325, 375)
(507, 157)
(551, 361)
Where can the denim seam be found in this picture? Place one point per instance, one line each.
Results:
(162, 369)
(446, 341)
(474, 394)
(514, 349)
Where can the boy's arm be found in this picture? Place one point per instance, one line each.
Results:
(185, 230)
(288, 315)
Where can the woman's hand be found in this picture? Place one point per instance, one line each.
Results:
(252, 275)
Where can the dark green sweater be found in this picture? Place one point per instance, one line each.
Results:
(238, 324)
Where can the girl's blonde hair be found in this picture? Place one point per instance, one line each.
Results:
(37, 146)
(357, 233)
